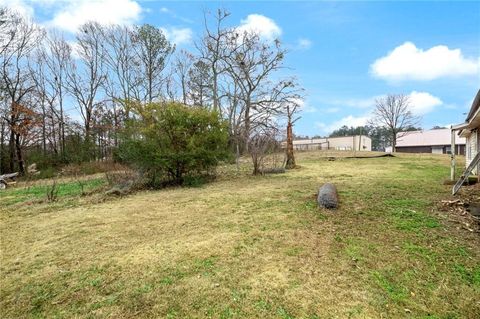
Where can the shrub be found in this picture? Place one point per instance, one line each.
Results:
(89, 168)
(172, 143)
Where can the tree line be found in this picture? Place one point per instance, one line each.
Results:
(64, 101)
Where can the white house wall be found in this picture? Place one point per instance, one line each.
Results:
(473, 141)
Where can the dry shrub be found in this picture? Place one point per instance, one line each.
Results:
(124, 181)
(52, 192)
(89, 168)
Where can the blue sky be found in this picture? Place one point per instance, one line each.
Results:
(344, 53)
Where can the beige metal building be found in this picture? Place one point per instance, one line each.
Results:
(342, 143)
(429, 141)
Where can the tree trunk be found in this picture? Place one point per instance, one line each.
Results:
(2, 137)
(11, 151)
(44, 131)
(247, 123)
(21, 165)
(62, 127)
(184, 91)
(237, 156)
(256, 164)
(290, 156)
(394, 142)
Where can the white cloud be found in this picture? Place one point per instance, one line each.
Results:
(349, 120)
(307, 108)
(178, 35)
(76, 13)
(304, 44)
(332, 110)
(359, 103)
(422, 103)
(407, 62)
(261, 25)
(167, 11)
(304, 106)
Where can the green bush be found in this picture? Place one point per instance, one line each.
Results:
(174, 144)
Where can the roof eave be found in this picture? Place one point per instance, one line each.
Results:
(475, 108)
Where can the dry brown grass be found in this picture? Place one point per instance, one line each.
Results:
(247, 246)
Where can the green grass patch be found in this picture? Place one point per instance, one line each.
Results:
(39, 192)
(394, 290)
(421, 252)
(470, 276)
(412, 220)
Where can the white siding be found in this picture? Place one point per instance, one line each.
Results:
(477, 149)
(473, 148)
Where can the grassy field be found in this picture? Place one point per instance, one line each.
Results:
(246, 246)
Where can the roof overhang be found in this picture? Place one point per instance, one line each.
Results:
(472, 123)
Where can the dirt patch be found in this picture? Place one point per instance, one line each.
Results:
(464, 208)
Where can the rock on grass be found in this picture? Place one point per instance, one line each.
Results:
(327, 196)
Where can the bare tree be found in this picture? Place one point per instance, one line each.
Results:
(182, 64)
(394, 113)
(261, 142)
(18, 39)
(87, 74)
(48, 68)
(212, 51)
(121, 60)
(43, 95)
(57, 56)
(234, 109)
(251, 64)
(3, 129)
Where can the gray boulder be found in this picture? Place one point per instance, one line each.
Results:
(327, 196)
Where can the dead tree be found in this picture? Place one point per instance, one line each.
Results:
(394, 113)
(292, 108)
(56, 58)
(212, 50)
(181, 67)
(290, 97)
(86, 75)
(122, 61)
